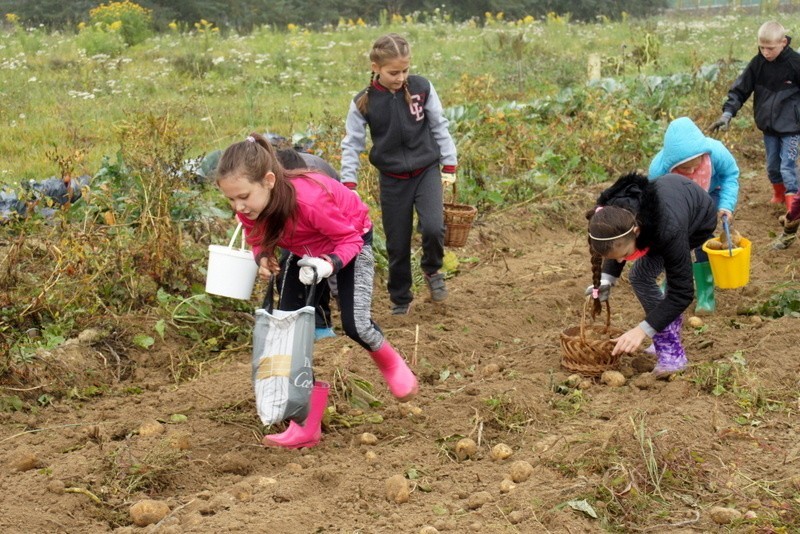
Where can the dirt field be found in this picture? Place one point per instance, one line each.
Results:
(644, 456)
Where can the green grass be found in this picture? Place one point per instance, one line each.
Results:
(220, 88)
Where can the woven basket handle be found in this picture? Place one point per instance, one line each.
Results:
(455, 194)
(583, 316)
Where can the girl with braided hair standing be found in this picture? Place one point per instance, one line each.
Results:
(657, 224)
(414, 154)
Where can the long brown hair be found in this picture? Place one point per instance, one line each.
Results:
(606, 222)
(253, 158)
(384, 49)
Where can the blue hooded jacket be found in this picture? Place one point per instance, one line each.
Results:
(683, 141)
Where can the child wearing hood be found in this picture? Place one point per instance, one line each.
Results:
(705, 161)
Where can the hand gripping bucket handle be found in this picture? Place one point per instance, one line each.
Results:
(731, 267)
(726, 227)
(231, 272)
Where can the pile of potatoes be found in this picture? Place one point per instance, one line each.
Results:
(721, 242)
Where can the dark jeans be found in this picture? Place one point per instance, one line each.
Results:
(781, 155)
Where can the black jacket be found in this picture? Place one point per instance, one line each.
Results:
(674, 215)
(402, 140)
(776, 89)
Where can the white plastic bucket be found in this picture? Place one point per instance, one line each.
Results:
(231, 272)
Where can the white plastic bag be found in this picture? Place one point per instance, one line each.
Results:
(283, 345)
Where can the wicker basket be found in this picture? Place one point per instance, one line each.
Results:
(457, 222)
(590, 355)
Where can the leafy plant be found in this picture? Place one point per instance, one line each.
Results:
(132, 21)
(97, 40)
(785, 303)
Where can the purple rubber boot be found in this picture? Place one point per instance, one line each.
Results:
(669, 349)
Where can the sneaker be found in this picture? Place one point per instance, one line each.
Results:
(436, 286)
(323, 332)
(401, 309)
(783, 241)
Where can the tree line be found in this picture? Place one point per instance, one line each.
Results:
(243, 15)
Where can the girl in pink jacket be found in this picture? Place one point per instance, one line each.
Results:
(326, 227)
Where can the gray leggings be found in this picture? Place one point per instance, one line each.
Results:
(354, 282)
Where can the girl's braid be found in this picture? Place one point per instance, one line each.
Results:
(597, 264)
(363, 102)
(406, 92)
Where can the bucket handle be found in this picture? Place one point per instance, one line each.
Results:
(236, 233)
(583, 317)
(726, 227)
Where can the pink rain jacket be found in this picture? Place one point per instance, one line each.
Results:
(329, 219)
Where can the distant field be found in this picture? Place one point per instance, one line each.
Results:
(55, 99)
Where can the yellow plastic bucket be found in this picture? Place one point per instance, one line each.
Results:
(731, 268)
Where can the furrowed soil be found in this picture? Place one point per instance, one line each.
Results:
(649, 455)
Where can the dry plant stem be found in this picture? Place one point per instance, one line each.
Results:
(539, 523)
(502, 513)
(48, 285)
(648, 454)
(24, 389)
(118, 376)
(86, 492)
(160, 524)
(416, 344)
(36, 430)
(671, 525)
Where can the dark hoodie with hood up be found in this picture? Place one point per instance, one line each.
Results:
(674, 216)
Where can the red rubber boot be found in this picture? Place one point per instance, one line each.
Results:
(778, 192)
(789, 198)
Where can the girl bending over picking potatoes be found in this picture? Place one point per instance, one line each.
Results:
(655, 225)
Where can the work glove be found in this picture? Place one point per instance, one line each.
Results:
(603, 292)
(722, 213)
(448, 178)
(722, 122)
(307, 266)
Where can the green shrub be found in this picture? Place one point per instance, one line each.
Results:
(133, 22)
(96, 40)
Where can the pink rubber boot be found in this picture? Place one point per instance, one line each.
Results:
(309, 434)
(400, 379)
